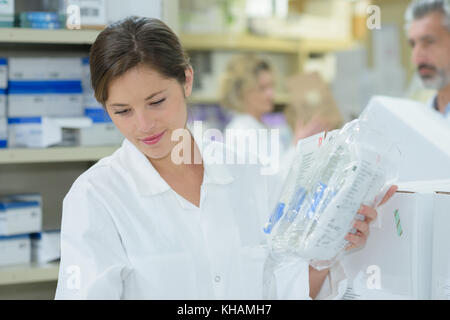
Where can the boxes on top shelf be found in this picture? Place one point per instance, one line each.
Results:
(6, 13)
(40, 20)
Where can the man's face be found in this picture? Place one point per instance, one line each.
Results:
(430, 42)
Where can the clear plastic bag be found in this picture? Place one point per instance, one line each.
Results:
(332, 175)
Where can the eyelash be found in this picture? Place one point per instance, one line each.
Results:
(153, 104)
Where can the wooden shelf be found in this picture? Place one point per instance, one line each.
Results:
(18, 274)
(200, 99)
(325, 45)
(59, 154)
(40, 36)
(244, 42)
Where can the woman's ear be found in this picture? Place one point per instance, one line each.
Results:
(189, 76)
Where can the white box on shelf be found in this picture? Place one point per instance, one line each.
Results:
(15, 250)
(7, 7)
(3, 103)
(44, 68)
(3, 133)
(51, 105)
(3, 73)
(45, 246)
(92, 12)
(396, 262)
(41, 132)
(421, 134)
(146, 8)
(100, 134)
(19, 216)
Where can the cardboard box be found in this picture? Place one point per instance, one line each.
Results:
(19, 216)
(421, 134)
(311, 96)
(45, 246)
(15, 250)
(396, 262)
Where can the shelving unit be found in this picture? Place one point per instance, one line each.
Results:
(40, 36)
(22, 156)
(20, 274)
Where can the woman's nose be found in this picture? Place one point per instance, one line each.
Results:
(145, 121)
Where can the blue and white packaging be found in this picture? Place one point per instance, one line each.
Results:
(45, 98)
(15, 250)
(3, 100)
(102, 132)
(41, 132)
(89, 101)
(45, 246)
(44, 69)
(19, 216)
(3, 73)
(3, 133)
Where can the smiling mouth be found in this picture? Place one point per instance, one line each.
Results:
(153, 139)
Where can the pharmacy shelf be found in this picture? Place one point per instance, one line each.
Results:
(244, 42)
(282, 99)
(57, 154)
(28, 273)
(325, 45)
(39, 36)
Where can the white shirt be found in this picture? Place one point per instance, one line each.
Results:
(433, 105)
(127, 235)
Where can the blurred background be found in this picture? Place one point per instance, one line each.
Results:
(326, 57)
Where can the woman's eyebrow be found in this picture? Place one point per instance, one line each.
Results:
(154, 94)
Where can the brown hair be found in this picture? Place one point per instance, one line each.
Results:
(241, 74)
(129, 42)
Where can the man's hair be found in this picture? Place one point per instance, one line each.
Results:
(420, 8)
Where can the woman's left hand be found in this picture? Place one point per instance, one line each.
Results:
(359, 238)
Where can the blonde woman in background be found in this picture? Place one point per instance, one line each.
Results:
(248, 89)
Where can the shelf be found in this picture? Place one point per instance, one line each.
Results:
(238, 42)
(325, 45)
(19, 274)
(201, 99)
(59, 154)
(58, 36)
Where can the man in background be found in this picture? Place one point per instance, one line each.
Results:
(428, 27)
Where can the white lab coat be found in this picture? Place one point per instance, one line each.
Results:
(127, 235)
(244, 121)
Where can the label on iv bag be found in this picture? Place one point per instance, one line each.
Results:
(326, 233)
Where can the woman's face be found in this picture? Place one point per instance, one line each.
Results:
(260, 99)
(147, 107)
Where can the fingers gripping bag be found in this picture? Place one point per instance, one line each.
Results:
(332, 175)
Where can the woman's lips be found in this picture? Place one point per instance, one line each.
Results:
(153, 139)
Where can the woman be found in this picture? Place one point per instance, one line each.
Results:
(248, 88)
(140, 224)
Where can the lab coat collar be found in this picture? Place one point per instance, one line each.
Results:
(149, 182)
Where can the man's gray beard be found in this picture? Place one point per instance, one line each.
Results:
(438, 82)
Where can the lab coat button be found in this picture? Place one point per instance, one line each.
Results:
(217, 279)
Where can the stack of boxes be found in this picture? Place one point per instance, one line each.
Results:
(102, 131)
(20, 215)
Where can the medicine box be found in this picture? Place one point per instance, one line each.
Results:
(421, 135)
(3, 100)
(45, 246)
(15, 250)
(3, 133)
(396, 261)
(42, 132)
(45, 98)
(3, 73)
(19, 216)
(44, 69)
